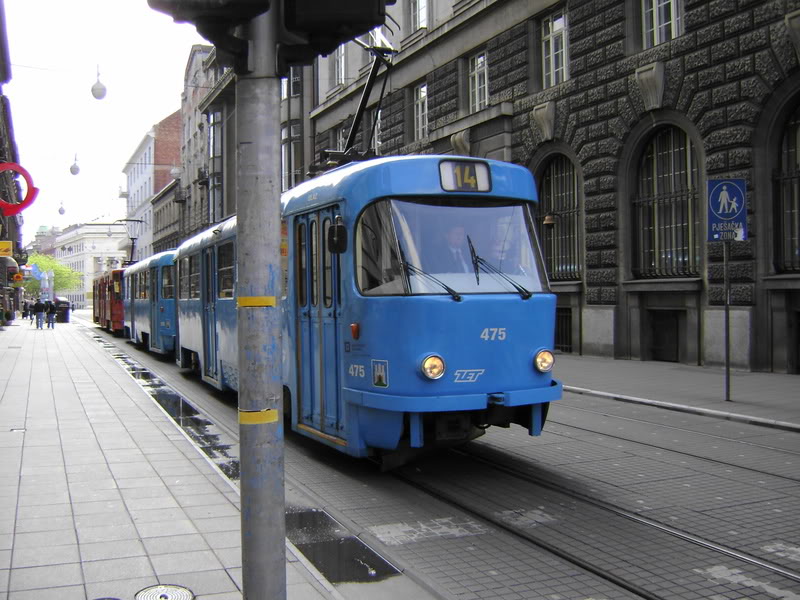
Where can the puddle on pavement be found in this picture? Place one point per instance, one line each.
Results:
(205, 434)
(335, 552)
(332, 549)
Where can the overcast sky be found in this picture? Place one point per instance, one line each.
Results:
(55, 48)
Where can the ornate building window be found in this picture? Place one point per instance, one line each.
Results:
(420, 111)
(660, 21)
(419, 14)
(478, 82)
(555, 57)
(215, 164)
(338, 62)
(291, 156)
(666, 228)
(561, 234)
(787, 209)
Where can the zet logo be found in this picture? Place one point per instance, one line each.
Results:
(467, 375)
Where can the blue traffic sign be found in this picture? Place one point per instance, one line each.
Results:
(727, 210)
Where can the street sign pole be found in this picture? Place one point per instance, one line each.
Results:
(727, 222)
(727, 291)
(259, 277)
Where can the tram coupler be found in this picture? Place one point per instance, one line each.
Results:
(497, 398)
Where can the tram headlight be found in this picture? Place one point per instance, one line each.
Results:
(432, 366)
(544, 360)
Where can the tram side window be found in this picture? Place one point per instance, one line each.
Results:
(302, 268)
(377, 264)
(312, 232)
(168, 283)
(144, 284)
(183, 278)
(194, 276)
(225, 265)
(327, 267)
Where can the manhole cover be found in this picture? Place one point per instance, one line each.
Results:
(164, 592)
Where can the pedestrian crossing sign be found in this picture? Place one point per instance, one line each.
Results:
(727, 210)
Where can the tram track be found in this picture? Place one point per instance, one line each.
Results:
(625, 571)
(637, 518)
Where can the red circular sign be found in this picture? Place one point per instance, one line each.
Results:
(8, 208)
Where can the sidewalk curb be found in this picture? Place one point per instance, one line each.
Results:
(298, 556)
(710, 412)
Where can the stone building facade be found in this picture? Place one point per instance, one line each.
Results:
(623, 110)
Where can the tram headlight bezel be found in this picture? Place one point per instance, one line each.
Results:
(543, 361)
(432, 367)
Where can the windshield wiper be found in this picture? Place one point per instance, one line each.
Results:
(407, 266)
(478, 261)
(456, 296)
(475, 260)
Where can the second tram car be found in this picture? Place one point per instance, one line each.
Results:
(107, 306)
(435, 322)
(149, 302)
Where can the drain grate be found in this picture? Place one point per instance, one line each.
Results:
(164, 592)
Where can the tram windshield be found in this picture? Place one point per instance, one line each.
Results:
(457, 246)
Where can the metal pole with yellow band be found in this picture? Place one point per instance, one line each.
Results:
(258, 277)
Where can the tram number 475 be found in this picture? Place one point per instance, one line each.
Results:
(356, 370)
(491, 334)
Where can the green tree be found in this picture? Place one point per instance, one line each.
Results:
(65, 278)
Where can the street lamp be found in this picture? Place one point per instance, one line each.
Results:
(130, 237)
(98, 89)
(128, 230)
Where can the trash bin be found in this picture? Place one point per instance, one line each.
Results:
(62, 310)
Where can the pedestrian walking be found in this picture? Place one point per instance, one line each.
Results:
(24, 310)
(51, 315)
(38, 310)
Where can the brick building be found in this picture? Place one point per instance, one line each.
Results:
(151, 167)
(622, 110)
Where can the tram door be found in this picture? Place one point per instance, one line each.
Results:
(153, 301)
(318, 297)
(209, 298)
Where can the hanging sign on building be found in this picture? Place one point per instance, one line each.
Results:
(11, 208)
(6, 248)
(727, 210)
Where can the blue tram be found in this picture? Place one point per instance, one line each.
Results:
(206, 305)
(149, 302)
(417, 312)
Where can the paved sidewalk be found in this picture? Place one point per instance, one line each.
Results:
(771, 399)
(101, 495)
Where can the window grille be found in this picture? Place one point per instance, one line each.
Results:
(561, 239)
(554, 49)
(420, 111)
(478, 82)
(660, 22)
(563, 340)
(666, 239)
(787, 217)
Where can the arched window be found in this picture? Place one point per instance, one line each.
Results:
(666, 230)
(559, 221)
(787, 209)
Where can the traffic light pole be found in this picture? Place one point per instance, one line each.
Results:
(259, 329)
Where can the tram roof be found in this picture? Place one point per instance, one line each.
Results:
(213, 234)
(400, 176)
(162, 258)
